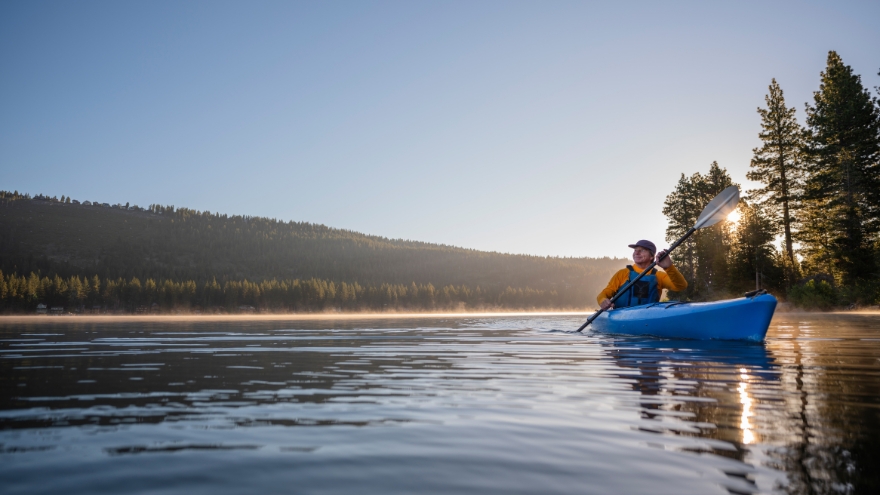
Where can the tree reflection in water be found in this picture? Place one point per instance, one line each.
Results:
(807, 402)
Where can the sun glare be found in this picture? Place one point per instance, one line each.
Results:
(747, 413)
(733, 217)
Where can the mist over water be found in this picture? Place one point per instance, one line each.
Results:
(513, 404)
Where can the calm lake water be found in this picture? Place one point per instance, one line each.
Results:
(436, 405)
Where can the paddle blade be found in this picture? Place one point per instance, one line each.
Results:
(718, 209)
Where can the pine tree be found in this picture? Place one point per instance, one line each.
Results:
(702, 258)
(843, 173)
(754, 260)
(778, 164)
(713, 243)
(682, 208)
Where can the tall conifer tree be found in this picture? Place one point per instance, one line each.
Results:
(713, 243)
(843, 179)
(681, 208)
(778, 165)
(754, 260)
(703, 258)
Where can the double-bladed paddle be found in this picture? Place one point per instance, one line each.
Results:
(714, 212)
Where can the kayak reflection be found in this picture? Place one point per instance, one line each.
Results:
(698, 388)
(633, 351)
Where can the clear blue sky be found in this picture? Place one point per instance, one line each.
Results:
(550, 128)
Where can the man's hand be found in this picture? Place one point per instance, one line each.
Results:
(605, 304)
(665, 262)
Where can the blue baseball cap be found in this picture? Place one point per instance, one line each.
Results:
(645, 244)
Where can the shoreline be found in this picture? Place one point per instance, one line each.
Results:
(67, 319)
(270, 317)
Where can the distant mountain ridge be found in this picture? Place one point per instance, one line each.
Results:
(62, 237)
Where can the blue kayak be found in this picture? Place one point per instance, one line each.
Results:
(746, 318)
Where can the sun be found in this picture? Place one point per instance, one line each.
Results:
(733, 217)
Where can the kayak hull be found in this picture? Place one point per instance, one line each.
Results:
(746, 318)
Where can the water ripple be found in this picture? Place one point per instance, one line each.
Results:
(471, 405)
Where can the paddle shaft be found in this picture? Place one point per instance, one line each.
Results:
(626, 287)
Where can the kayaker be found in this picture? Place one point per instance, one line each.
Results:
(648, 288)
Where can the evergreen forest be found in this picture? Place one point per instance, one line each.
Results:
(809, 234)
(91, 256)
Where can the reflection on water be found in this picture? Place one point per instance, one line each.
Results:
(746, 401)
(488, 405)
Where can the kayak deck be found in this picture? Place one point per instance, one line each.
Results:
(746, 318)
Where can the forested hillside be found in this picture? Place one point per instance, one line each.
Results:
(161, 245)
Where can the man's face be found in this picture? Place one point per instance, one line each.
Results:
(642, 256)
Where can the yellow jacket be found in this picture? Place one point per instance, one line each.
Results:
(670, 279)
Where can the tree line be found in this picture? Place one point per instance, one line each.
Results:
(167, 242)
(174, 256)
(77, 294)
(819, 196)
